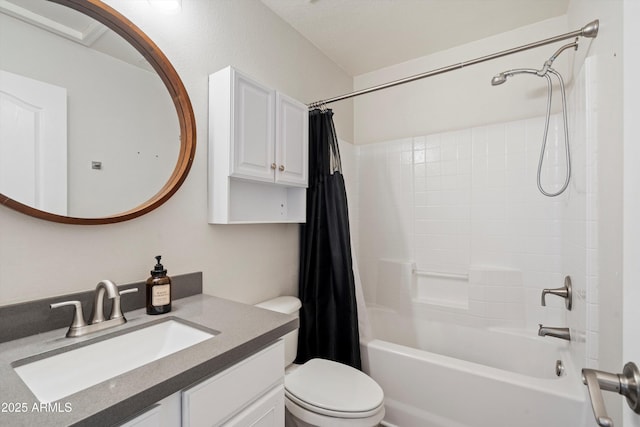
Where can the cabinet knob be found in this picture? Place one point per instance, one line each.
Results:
(281, 168)
(273, 165)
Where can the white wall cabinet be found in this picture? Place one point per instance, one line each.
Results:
(258, 152)
(250, 393)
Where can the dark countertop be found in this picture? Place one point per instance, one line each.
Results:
(244, 330)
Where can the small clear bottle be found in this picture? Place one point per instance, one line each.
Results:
(158, 290)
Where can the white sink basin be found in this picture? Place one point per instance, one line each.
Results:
(63, 374)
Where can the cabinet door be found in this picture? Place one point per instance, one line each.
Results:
(292, 141)
(165, 413)
(268, 411)
(252, 156)
(150, 418)
(217, 399)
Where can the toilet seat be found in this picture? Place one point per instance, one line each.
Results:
(334, 389)
(327, 412)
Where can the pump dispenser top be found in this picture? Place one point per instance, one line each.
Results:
(158, 270)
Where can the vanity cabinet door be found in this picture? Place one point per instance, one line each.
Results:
(253, 129)
(268, 411)
(165, 413)
(292, 141)
(150, 418)
(243, 386)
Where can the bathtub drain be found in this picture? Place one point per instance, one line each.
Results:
(559, 368)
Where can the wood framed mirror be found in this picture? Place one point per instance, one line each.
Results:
(179, 99)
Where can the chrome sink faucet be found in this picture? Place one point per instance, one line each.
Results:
(79, 327)
(108, 287)
(562, 333)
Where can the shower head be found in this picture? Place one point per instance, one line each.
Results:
(498, 79)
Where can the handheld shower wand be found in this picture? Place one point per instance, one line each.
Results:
(500, 78)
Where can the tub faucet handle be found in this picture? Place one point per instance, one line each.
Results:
(564, 292)
(627, 384)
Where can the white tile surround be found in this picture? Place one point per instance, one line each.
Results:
(465, 202)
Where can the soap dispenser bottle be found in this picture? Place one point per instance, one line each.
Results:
(158, 290)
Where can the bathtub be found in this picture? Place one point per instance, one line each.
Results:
(437, 374)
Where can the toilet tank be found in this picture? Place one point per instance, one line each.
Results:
(286, 305)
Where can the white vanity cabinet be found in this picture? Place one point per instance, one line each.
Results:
(258, 152)
(165, 413)
(249, 393)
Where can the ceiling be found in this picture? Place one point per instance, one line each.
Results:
(55, 18)
(366, 35)
(75, 26)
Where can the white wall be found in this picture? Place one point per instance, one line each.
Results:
(631, 346)
(245, 263)
(579, 219)
(606, 52)
(462, 98)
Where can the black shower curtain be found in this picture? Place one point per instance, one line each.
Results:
(329, 316)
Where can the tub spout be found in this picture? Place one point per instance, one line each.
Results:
(562, 333)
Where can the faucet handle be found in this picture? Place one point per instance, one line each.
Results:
(128, 291)
(564, 292)
(78, 317)
(116, 311)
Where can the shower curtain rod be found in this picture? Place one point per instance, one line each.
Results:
(590, 30)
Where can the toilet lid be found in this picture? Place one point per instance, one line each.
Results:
(334, 387)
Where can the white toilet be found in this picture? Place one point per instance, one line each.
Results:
(322, 392)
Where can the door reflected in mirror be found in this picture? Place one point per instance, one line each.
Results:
(87, 127)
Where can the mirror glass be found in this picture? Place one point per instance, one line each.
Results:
(88, 129)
